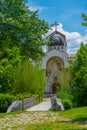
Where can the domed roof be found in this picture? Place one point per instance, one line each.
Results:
(56, 40)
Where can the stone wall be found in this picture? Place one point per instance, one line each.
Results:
(23, 104)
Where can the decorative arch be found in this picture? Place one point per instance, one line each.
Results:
(57, 60)
(54, 53)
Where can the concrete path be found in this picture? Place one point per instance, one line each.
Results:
(45, 105)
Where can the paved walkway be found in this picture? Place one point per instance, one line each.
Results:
(45, 105)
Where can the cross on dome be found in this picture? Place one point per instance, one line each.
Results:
(56, 25)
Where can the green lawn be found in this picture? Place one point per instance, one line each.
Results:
(73, 119)
(77, 114)
(53, 126)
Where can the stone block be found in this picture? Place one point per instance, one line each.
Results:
(15, 106)
(56, 104)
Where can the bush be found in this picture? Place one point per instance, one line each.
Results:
(64, 95)
(5, 101)
(66, 99)
(67, 103)
(24, 95)
(29, 78)
(9, 61)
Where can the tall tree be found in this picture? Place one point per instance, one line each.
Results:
(21, 33)
(79, 78)
(22, 28)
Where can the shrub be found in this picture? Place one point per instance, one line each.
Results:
(66, 99)
(5, 101)
(21, 96)
(28, 78)
(67, 103)
(64, 95)
(9, 61)
(24, 95)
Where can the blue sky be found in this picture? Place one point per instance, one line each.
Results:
(66, 12)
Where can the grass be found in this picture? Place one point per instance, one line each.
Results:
(3, 115)
(45, 120)
(52, 126)
(77, 114)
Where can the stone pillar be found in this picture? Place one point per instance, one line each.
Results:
(56, 104)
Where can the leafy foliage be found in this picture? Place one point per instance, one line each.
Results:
(28, 78)
(21, 39)
(22, 28)
(85, 19)
(79, 84)
(5, 101)
(66, 99)
(8, 61)
(65, 93)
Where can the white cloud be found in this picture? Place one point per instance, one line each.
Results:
(73, 38)
(40, 8)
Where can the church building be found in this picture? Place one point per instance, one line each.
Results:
(55, 60)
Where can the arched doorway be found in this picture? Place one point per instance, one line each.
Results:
(55, 87)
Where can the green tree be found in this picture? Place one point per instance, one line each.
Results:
(79, 77)
(79, 73)
(9, 60)
(28, 78)
(21, 33)
(22, 28)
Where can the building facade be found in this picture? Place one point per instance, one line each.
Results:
(55, 60)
